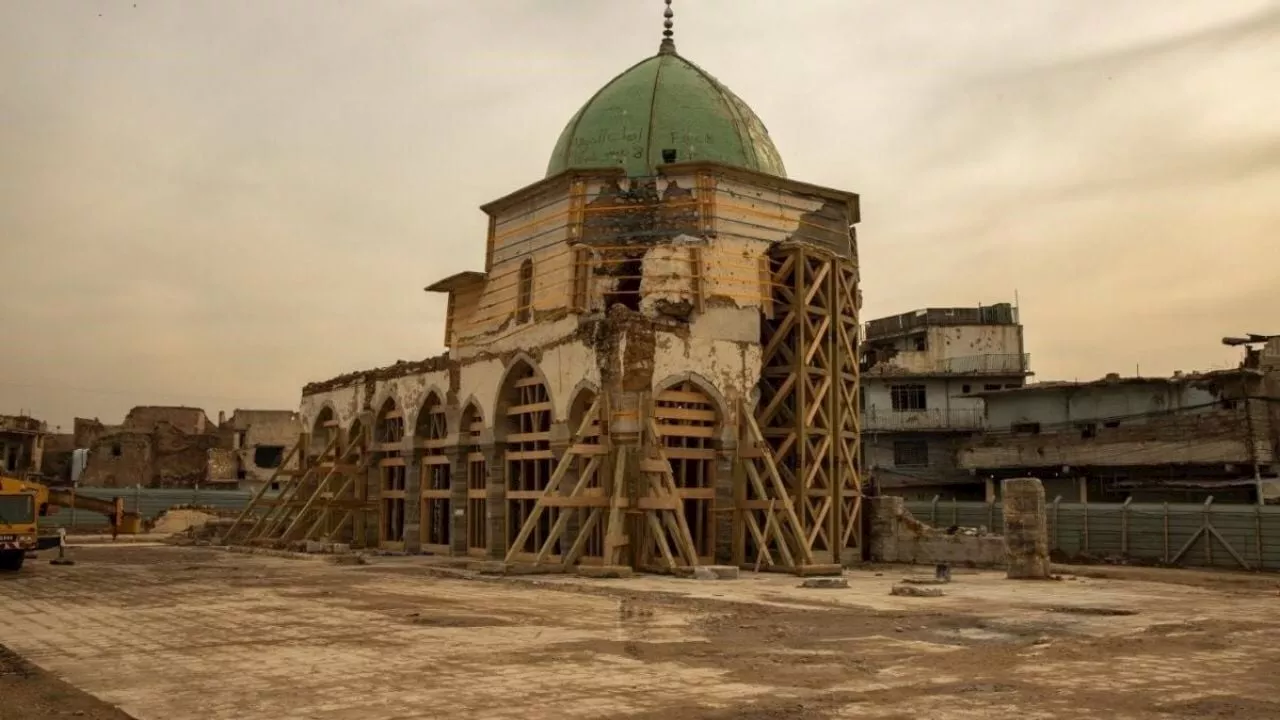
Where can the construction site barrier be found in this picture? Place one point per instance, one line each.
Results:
(1193, 535)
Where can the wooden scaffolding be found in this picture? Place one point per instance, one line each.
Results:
(323, 498)
(800, 504)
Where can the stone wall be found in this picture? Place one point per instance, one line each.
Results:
(898, 537)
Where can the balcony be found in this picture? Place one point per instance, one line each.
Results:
(878, 420)
(924, 363)
(1006, 364)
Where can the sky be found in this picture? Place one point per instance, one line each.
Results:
(213, 202)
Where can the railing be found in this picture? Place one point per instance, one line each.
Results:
(906, 363)
(876, 419)
(987, 364)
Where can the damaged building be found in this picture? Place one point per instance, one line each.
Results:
(168, 447)
(22, 445)
(923, 375)
(252, 448)
(1178, 439)
(656, 367)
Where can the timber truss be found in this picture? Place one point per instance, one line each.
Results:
(800, 452)
(324, 499)
(640, 513)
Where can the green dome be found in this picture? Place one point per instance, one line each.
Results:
(664, 103)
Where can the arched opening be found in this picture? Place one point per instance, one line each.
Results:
(689, 422)
(389, 444)
(525, 413)
(524, 294)
(593, 549)
(323, 430)
(435, 476)
(469, 431)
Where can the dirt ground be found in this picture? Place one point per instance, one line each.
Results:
(170, 633)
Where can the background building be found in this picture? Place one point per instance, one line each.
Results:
(923, 374)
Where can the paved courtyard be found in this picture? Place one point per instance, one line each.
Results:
(170, 633)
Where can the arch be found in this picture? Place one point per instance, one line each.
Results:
(689, 423)
(522, 428)
(708, 388)
(323, 428)
(524, 292)
(522, 365)
(435, 476)
(388, 444)
(356, 432)
(470, 428)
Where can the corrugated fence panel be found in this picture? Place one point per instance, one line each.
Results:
(149, 502)
(1190, 535)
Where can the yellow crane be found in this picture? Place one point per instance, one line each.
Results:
(24, 502)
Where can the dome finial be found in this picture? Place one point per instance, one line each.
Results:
(668, 42)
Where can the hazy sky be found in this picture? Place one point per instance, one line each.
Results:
(211, 202)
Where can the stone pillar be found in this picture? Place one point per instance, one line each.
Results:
(495, 511)
(457, 499)
(412, 500)
(1025, 529)
(725, 500)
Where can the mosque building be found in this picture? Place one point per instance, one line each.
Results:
(656, 367)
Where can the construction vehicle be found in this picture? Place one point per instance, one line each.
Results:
(23, 502)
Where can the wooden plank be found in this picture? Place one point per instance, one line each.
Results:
(391, 462)
(699, 431)
(679, 453)
(513, 455)
(679, 413)
(683, 397)
(529, 408)
(528, 437)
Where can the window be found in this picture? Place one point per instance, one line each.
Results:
(965, 389)
(268, 456)
(910, 453)
(989, 387)
(1087, 430)
(907, 397)
(921, 344)
(524, 294)
(1111, 424)
(115, 450)
(1025, 428)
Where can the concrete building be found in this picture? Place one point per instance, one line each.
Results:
(1181, 438)
(21, 445)
(651, 315)
(254, 445)
(923, 375)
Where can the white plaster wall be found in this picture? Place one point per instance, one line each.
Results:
(563, 366)
(346, 402)
(744, 209)
(410, 392)
(722, 348)
(1091, 404)
(518, 337)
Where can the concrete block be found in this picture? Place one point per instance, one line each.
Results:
(313, 546)
(703, 573)
(1026, 529)
(338, 548)
(604, 571)
(925, 581)
(915, 591)
(825, 582)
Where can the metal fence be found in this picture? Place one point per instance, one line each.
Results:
(1204, 535)
(149, 502)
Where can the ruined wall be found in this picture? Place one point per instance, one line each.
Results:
(56, 463)
(273, 432)
(86, 432)
(898, 537)
(955, 348)
(222, 465)
(147, 418)
(1210, 436)
(119, 459)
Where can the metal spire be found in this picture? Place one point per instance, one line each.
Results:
(668, 42)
